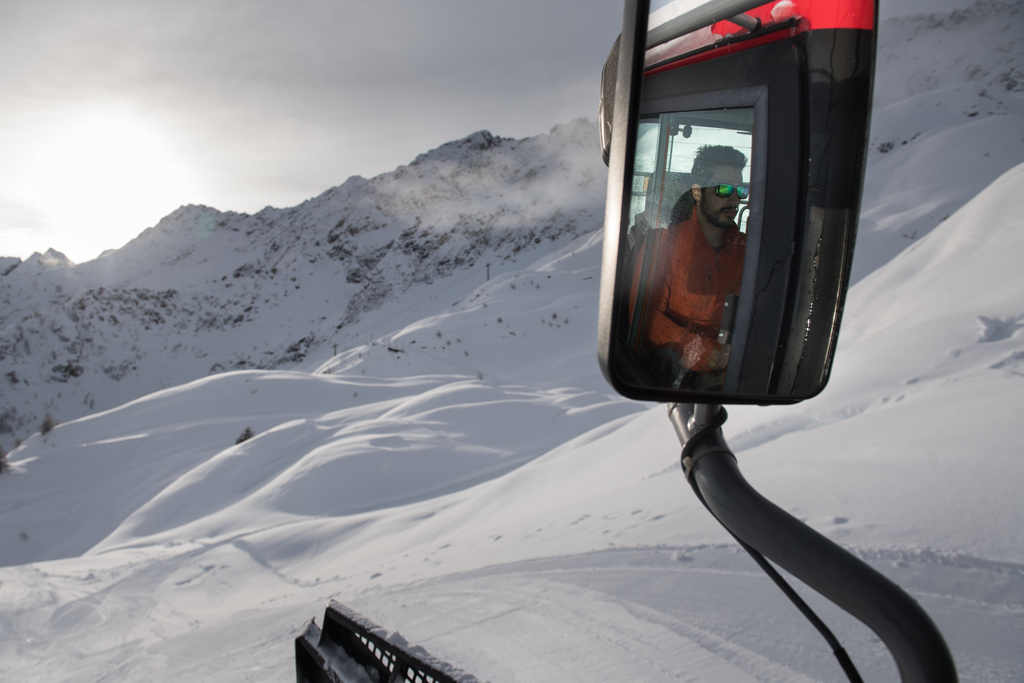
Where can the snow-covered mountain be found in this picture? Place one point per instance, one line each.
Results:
(947, 107)
(459, 470)
(206, 291)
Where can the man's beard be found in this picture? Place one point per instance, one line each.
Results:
(717, 220)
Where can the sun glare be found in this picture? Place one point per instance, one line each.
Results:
(103, 177)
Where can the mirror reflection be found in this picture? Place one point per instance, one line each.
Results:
(686, 244)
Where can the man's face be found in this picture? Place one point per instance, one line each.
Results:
(721, 212)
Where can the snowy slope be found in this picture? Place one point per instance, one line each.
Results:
(471, 365)
(461, 473)
(206, 292)
(948, 119)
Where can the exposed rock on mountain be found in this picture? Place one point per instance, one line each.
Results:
(206, 291)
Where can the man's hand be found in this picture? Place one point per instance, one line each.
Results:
(719, 357)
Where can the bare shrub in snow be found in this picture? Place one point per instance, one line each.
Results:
(244, 436)
(47, 425)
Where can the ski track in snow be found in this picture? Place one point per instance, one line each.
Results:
(736, 620)
(610, 615)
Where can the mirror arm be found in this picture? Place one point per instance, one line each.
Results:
(908, 632)
(746, 21)
(690, 418)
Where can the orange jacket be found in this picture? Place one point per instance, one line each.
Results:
(683, 296)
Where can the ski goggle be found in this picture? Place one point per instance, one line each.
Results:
(725, 190)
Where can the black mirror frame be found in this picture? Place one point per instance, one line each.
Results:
(814, 178)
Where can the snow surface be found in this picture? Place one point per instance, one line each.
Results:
(466, 478)
(205, 291)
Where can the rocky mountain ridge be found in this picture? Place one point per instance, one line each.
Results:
(206, 291)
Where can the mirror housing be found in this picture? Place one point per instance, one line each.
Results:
(787, 86)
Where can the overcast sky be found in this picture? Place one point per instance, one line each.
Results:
(115, 112)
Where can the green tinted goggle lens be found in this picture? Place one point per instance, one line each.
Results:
(724, 190)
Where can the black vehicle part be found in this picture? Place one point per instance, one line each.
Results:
(689, 461)
(916, 644)
(807, 83)
(352, 649)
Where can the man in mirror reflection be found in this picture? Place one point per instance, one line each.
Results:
(683, 276)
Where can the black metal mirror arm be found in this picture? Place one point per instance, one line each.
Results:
(915, 642)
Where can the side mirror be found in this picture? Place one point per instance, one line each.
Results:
(736, 136)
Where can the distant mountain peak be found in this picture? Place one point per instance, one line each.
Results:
(206, 291)
(51, 259)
